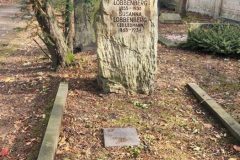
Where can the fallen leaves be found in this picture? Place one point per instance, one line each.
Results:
(31, 141)
(8, 79)
(207, 126)
(236, 148)
(195, 148)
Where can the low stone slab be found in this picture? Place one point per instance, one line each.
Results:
(50, 140)
(85, 13)
(118, 137)
(170, 18)
(231, 124)
(168, 42)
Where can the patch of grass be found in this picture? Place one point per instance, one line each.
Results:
(135, 151)
(128, 120)
(19, 29)
(70, 58)
(6, 49)
(196, 17)
(140, 105)
(149, 138)
(226, 86)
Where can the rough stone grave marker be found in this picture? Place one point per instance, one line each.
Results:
(85, 12)
(181, 7)
(118, 137)
(127, 36)
(170, 18)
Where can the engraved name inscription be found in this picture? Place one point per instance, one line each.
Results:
(130, 15)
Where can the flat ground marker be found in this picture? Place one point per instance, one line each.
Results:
(118, 137)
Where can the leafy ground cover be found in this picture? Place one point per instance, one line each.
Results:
(171, 123)
(26, 96)
(27, 90)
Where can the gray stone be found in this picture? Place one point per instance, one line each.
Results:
(118, 137)
(181, 7)
(127, 36)
(170, 18)
(50, 140)
(171, 42)
(84, 19)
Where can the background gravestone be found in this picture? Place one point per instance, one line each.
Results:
(181, 7)
(85, 12)
(169, 4)
(127, 36)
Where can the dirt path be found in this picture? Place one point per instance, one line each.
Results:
(9, 20)
(27, 89)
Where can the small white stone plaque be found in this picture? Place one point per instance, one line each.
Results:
(118, 137)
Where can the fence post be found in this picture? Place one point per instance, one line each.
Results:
(217, 8)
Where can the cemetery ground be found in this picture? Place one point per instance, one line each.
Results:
(171, 124)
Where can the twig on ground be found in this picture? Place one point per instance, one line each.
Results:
(41, 48)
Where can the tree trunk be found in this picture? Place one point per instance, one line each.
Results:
(53, 35)
(69, 24)
(57, 37)
(85, 12)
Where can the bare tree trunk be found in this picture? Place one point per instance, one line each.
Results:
(57, 37)
(53, 35)
(69, 24)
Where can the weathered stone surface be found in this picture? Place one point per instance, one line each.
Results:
(172, 40)
(170, 18)
(50, 140)
(117, 137)
(127, 36)
(85, 12)
(181, 7)
(230, 10)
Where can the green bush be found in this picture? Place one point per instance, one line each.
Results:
(221, 39)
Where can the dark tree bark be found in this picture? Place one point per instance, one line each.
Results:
(53, 35)
(69, 24)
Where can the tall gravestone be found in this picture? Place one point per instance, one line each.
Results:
(85, 12)
(181, 7)
(127, 36)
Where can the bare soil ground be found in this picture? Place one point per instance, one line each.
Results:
(178, 32)
(172, 126)
(27, 89)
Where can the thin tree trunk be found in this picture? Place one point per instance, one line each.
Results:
(57, 37)
(69, 24)
(53, 35)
